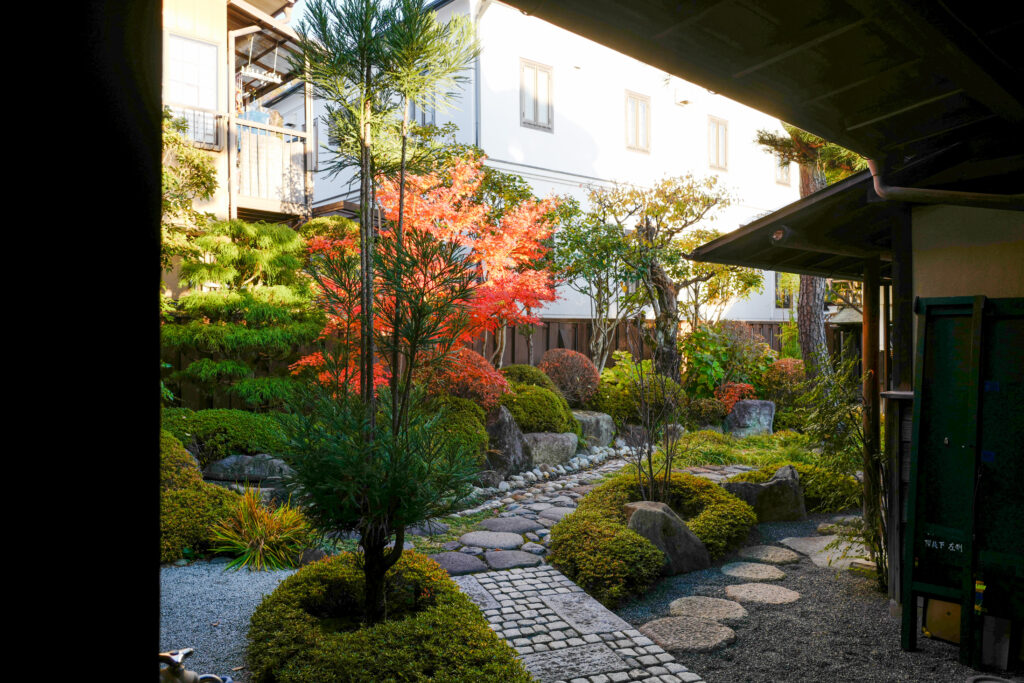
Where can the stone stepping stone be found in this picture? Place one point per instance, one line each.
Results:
(814, 548)
(753, 571)
(509, 559)
(457, 564)
(688, 634)
(708, 609)
(431, 527)
(538, 507)
(563, 501)
(762, 593)
(534, 548)
(556, 514)
(770, 554)
(515, 525)
(492, 539)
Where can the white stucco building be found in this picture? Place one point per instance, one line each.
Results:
(565, 112)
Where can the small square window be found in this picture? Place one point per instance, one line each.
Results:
(782, 171)
(717, 143)
(535, 106)
(783, 295)
(638, 122)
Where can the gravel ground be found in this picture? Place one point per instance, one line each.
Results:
(839, 629)
(208, 609)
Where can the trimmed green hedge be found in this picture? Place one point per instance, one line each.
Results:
(308, 629)
(463, 423)
(214, 434)
(715, 516)
(606, 559)
(189, 507)
(824, 490)
(527, 374)
(537, 409)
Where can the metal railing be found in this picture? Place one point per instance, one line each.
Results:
(271, 162)
(204, 126)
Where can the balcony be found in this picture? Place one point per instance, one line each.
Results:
(270, 165)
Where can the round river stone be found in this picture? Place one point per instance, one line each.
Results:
(772, 554)
(492, 539)
(515, 525)
(509, 559)
(753, 571)
(556, 514)
(708, 609)
(457, 564)
(761, 593)
(688, 634)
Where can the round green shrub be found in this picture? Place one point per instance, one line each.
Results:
(718, 518)
(175, 421)
(462, 424)
(621, 400)
(527, 374)
(217, 433)
(178, 469)
(824, 490)
(606, 559)
(536, 409)
(705, 411)
(309, 629)
(187, 517)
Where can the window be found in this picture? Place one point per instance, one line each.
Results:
(190, 85)
(420, 115)
(535, 106)
(783, 293)
(638, 122)
(717, 147)
(781, 171)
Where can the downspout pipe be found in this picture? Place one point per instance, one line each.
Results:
(476, 70)
(919, 195)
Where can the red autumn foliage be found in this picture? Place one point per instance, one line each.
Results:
(469, 375)
(573, 373)
(732, 392)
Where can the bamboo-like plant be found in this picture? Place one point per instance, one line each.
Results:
(261, 537)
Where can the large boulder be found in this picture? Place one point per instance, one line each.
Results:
(550, 448)
(598, 428)
(250, 468)
(777, 500)
(750, 417)
(660, 525)
(507, 454)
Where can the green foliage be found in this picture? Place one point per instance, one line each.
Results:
(462, 426)
(264, 392)
(218, 433)
(237, 255)
(824, 490)
(783, 383)
(829, 159)
(307, 629)
(603, 557)
(716, 517)
(830, 407)
(233, 339)
(187, 174)
(723, 352)
(701, 412)
(537, 409)
(790, 341)
(619, 391)
(209, 371)
(527, 374)
(189, 507)
(260, 537)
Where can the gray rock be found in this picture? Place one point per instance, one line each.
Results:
(550, 448)
(507, 454)
(457, 564)
(492, 539)
(573, 662)
(659, 524)
(251, 468)
(779, 499)
(489, 478)
(503, 486)
(555, 514)
(815, 547)
(431, 527)
(509, 559)
(708, 609)
(477, 593)
(406, 545)
(534, 548)
(635, 436)
(514, 525)
(471, 550)
(688, 634)
(753, 571)
(768, 553)
(451, 545)
(584, 613)
(598, 428)
(750, 417)
(761, 593)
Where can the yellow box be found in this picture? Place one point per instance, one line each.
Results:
(942, 620)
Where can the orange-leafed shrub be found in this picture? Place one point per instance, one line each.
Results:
(731, 392)
(574, 374)
(467, 374)
(782, 379)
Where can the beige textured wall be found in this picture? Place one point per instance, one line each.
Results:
(962, 251)
(206, 21)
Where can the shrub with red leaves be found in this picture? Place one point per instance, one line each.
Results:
(574, 374)
(467, 374)
(732, 392)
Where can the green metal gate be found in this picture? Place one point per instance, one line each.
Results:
(965, 506)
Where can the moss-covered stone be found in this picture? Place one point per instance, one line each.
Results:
(462, 424)
(824, 490)
(214, 434)
(309, 629)
(527, 374)
(537, 409)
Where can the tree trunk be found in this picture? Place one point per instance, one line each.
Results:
(666, 324)
(377, 560)
(811, 302)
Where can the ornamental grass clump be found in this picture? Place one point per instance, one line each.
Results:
(261, 537)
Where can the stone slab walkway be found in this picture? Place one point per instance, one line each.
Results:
(562, 634)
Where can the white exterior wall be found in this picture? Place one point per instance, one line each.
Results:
(587, 143)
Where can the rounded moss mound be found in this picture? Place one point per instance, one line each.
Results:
(527, 374)
(462, 424)
(189, 507)
(718, 518)
(606, 559)
(308, 629)
(214, 434)
(824, 490)
(537, 409)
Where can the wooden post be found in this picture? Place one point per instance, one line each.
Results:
(869, 363)
(903, 304)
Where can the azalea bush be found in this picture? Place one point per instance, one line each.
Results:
(730, 393)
